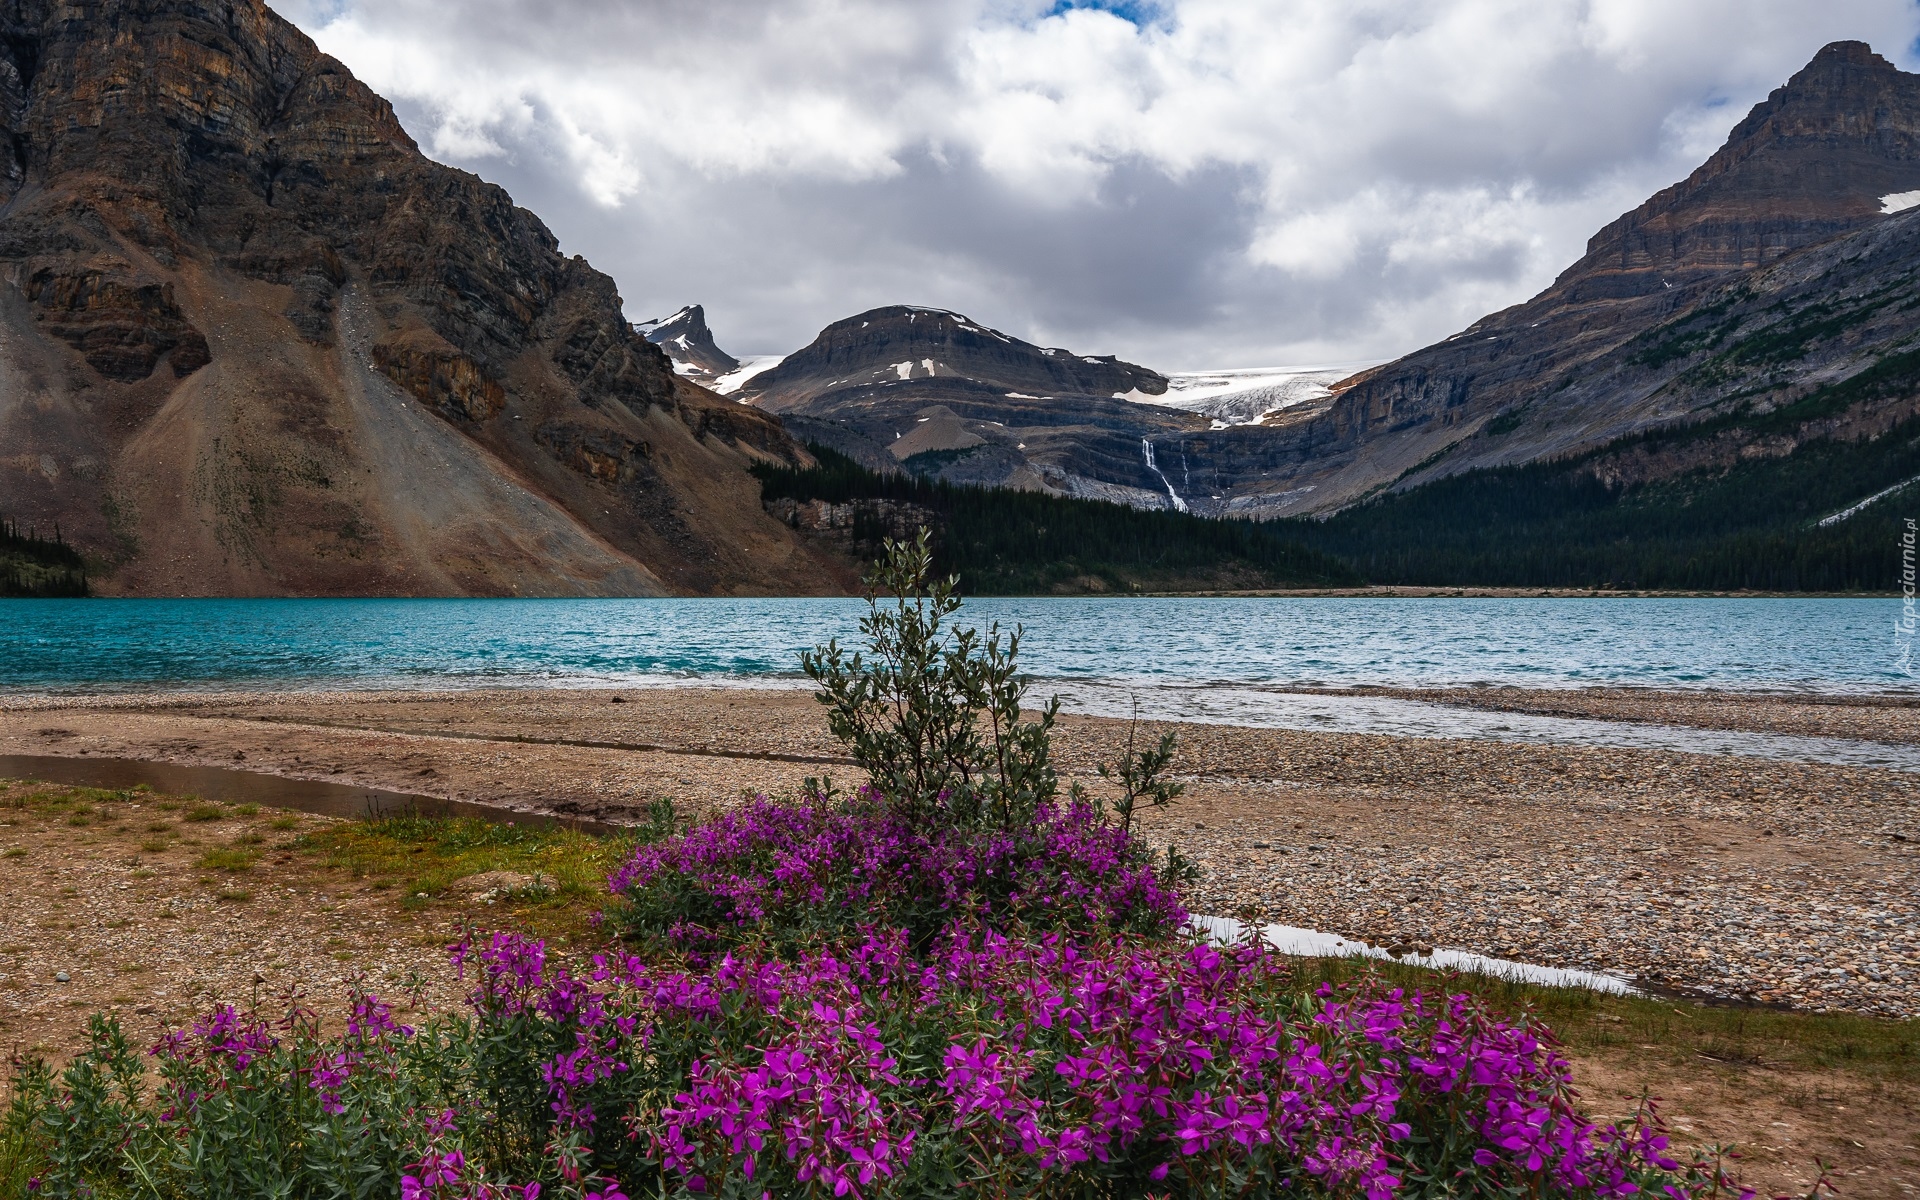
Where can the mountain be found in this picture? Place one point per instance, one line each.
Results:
(1790, 462)
(1723, 393)
(687, 341)
(253, 342)
(1774, 244)
(904, 344)
(1771, 274)
(955, 400)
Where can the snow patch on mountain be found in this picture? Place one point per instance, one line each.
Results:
(1246, 397)
(643, 328)
(750, 366)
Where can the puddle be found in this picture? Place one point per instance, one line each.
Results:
(1234, 704)
(230, 786)
(1311, 943)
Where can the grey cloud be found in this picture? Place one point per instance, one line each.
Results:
(851, 162)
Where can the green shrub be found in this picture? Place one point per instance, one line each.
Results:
(931, 712)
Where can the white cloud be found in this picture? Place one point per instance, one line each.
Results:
(1234, 182)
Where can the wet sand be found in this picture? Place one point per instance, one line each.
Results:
(1878, 718)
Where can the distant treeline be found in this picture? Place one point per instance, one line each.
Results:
(1003, 542)
(1754, 525)
(32, 565)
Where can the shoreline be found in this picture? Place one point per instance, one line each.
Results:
(1393, 591)
(1381, 590)
(1726, 881)
(1757, 880)
(1857, 720)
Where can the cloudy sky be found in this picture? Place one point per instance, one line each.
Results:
(1186, 183)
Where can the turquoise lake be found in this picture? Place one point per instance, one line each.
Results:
(1821, 645)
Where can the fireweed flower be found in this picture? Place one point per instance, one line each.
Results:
(789, 861)
(1047, 1023)
(869, 1065)
(1060, 1053)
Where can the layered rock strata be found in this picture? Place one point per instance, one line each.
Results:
(1787, 217)
(252, 341)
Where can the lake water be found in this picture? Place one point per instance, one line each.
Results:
(1240, 660)
(1773, 645)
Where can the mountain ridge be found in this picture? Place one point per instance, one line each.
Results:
(1554, 374)
(968, 404)
(1558, 374)
(935, 341)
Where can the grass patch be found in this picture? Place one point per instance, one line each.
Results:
(233, 895)
(205, 812)
(14, 852)
(284, 823)
(231, 859)
(77, 806)
(427, 854)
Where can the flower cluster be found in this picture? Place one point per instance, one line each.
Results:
(817, 865)
(1054, 1064)
(1042, 1063)
(443, 1173)
(223, 1034)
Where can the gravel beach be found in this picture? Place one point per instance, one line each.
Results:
(1777, 882)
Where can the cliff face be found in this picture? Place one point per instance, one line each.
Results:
(253, 342)
(1810, 161)
(1567, 370)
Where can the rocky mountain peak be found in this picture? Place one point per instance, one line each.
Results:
(1812, 179)
(903, 343)
(689, 343)
(1811, 161)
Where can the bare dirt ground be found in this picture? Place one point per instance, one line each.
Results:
(1787, 883)
(114, 897)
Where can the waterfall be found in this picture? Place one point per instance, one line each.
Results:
(1146, 447)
